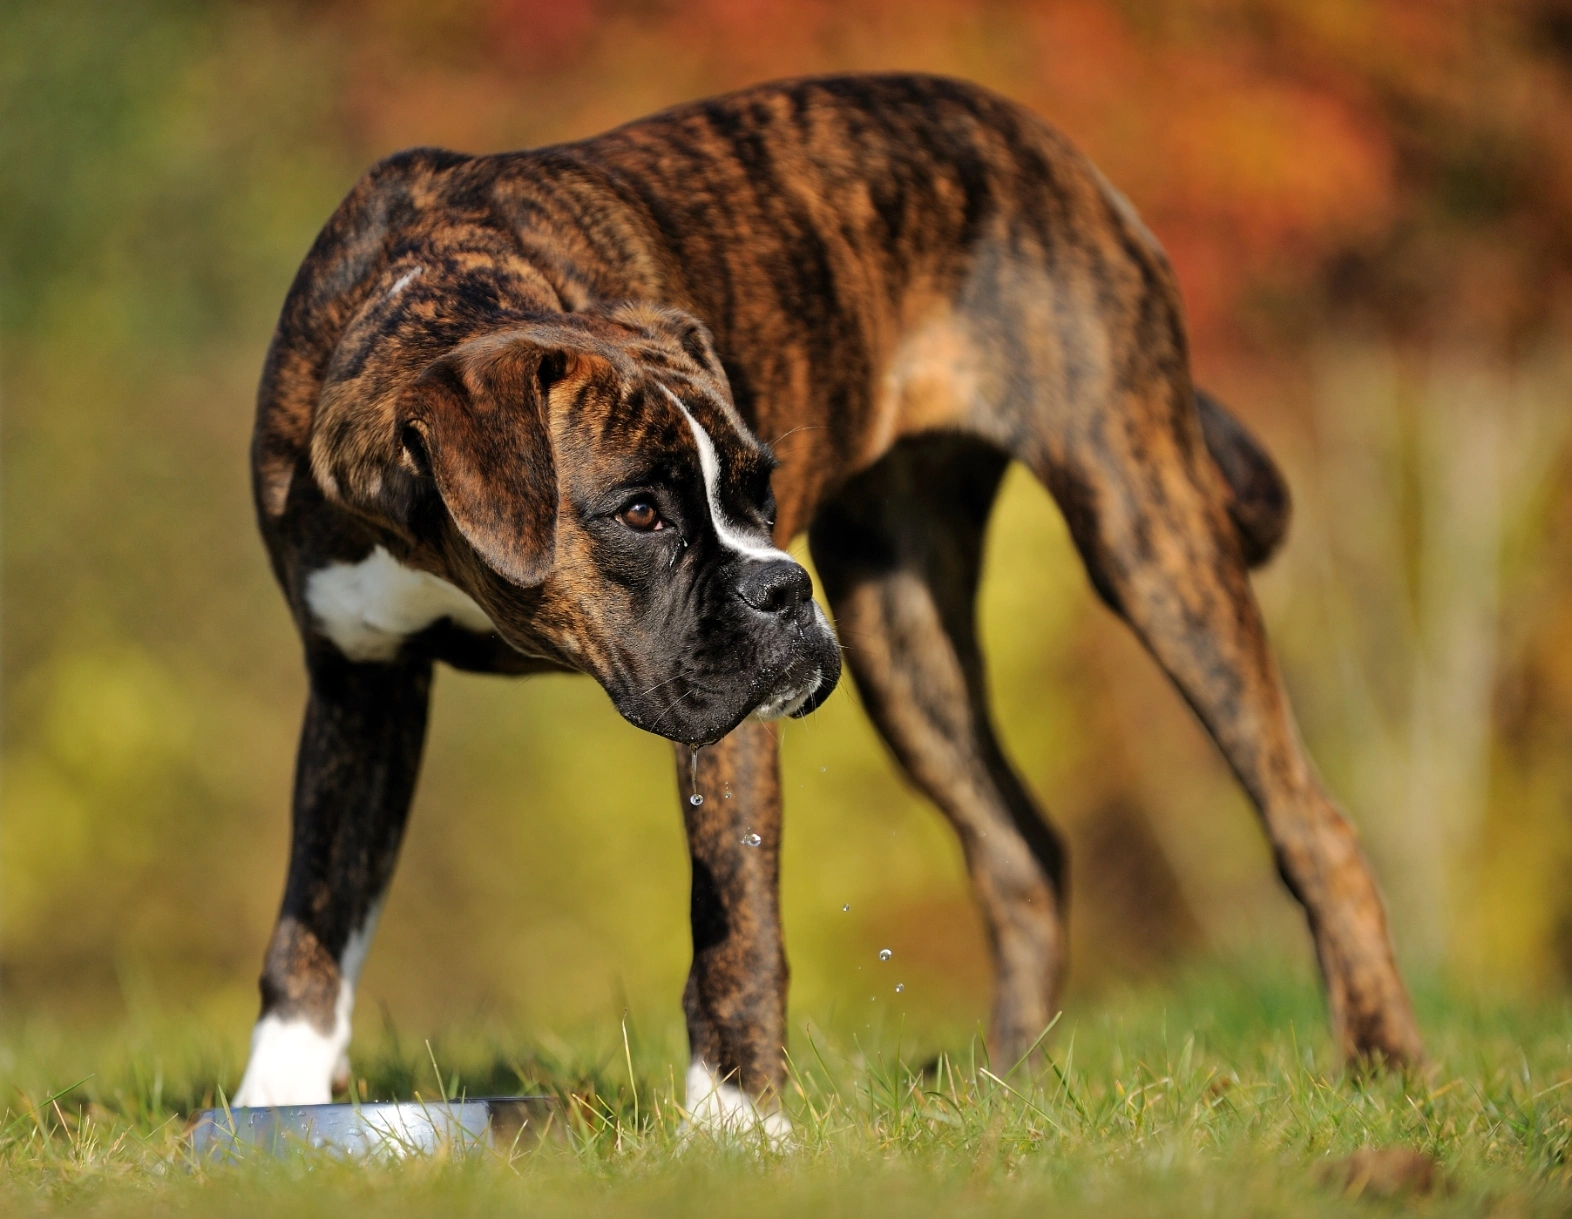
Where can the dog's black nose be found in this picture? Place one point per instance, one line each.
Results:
(777, 587)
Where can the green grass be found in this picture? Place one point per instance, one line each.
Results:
(1212, 1096)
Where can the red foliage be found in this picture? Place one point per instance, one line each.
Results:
(1405, 162)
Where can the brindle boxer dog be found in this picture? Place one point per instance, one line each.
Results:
(515, 416)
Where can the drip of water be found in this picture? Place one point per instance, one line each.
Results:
(885, 954)
(899, 987)
(846, 907)
(693, 776)
(751, 840)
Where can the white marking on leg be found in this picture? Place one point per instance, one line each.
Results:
(349, 967)
(723, 1109)
(709, 464)
(369, 608)
(293, 1062)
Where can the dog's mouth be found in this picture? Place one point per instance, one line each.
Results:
(806, 684)
(699, 705)
(792, 702)
(809, 682)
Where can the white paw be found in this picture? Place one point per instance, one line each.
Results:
(292, 1063)
(724, 1110)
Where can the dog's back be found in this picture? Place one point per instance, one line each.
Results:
(815, 225)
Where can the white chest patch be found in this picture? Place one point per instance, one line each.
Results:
(369, 608)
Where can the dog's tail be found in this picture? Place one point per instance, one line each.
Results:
(1259, 503)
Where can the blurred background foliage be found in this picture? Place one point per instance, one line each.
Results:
(1368, 207)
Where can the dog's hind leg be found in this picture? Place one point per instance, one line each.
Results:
(900, 551)
(359, 753)
(735, 998)
(1149, 509)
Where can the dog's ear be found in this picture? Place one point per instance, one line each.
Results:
(476, 423)
(695, 339)
(473, 427)
(690, 334)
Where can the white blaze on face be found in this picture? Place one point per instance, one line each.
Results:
(725, 1110)
(369, 608)
(725, 528)
(293, 1062)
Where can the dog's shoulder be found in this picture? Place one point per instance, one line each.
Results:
(397, 195)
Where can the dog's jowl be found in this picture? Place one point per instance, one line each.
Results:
(514, 417)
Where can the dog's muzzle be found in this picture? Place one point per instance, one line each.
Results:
(782, 591)
(813, 680)
(764, 650)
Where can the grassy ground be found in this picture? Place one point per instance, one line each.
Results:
(1212, 1096)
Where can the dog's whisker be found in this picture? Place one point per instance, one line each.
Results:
(659, 684)
(672, 706)
(805, 427)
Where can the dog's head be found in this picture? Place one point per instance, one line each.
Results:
(587, 479)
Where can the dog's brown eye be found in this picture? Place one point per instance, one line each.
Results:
(641, 515)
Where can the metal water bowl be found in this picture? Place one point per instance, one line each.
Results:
(389, 1129)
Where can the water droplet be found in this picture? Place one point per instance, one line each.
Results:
(899, 987)
(751, 840)
(846, 907)
(823, 769)
(695, 799)
(885, 954)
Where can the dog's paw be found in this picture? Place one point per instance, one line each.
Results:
(292, 1063)
(722, 1110)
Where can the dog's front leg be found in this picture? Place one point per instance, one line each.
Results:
(359, 753)
(735, 999)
